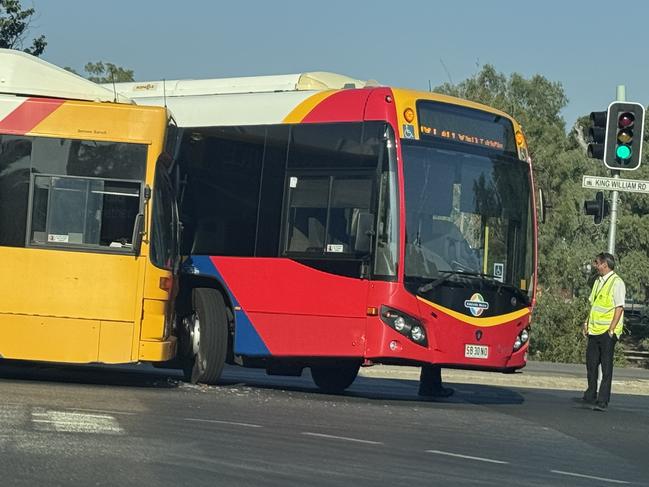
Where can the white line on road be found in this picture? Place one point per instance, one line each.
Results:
(344, 438)
(66, 422)
(233, 423)
(103, 411)
(601, 479)
(467, 457)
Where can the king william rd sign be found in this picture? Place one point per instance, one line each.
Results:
(614, 184)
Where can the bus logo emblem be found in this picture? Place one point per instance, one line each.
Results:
(476, 304)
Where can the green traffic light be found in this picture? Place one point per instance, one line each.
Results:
(623, 152)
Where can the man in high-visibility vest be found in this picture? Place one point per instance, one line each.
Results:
(603, 329)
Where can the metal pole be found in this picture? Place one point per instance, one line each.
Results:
(620, 96)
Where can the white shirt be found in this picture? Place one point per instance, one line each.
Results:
(619, 288)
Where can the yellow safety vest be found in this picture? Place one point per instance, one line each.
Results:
(603, 308)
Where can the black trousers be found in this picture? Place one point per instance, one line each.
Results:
(430, 379)
(599, 351)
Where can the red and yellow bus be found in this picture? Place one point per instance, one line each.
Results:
(331, 223)
(87, 220)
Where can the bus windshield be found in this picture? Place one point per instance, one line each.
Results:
(467, 212)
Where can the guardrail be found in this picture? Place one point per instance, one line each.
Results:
(638, 358)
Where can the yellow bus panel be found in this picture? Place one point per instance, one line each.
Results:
(48, 338)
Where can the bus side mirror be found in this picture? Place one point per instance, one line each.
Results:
(364, 232)
(138, 233)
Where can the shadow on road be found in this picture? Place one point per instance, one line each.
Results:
(146, 376)
(105, 375)
(377, 389)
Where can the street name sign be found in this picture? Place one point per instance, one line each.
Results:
(615, 184)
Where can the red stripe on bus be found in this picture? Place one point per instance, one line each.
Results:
(343, 106)
(28, 115)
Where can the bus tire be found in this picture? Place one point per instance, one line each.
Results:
(210, 316)
(334, 378)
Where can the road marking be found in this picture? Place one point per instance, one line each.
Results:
(601, 479)
(103, 411)
(233, 423)
(467, 457)
(67, 422)
(344, 438)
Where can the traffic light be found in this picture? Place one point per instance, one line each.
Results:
(624, 133)
(597, 207)
(597, 134)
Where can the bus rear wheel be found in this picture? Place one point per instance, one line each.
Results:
(334, 378)
(207, 329)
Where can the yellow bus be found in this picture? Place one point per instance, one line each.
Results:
(88, 225)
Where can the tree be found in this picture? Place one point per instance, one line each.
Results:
(100, 72)
(14, 27)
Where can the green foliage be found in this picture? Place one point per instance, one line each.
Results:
(14, 27)
(556, 329)
(100, 72)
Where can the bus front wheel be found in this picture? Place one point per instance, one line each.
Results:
(334, 378)
(207, 330)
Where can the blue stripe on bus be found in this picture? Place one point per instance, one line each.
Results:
(246, 339)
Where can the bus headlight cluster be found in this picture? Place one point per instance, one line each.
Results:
(522, 339)
(405, 324)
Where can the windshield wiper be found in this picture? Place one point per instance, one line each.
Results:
(491, 279)
(429, 286)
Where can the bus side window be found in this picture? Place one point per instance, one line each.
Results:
(83, 212)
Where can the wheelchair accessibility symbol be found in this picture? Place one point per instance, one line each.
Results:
(408, 131)
(499, 271)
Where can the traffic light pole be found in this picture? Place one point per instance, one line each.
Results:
(620, 96)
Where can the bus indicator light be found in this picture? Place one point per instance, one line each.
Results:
(520, 139)
(165, 283)
(409, 115)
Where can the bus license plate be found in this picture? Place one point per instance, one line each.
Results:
(476, 351)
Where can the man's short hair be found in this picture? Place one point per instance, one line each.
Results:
(608, 258)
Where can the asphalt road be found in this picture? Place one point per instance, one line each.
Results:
(139, 426)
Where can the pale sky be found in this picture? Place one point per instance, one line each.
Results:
(588, 46)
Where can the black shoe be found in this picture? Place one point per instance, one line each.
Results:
(440, 392)
(600, 406)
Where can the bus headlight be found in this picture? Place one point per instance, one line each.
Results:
(521, 339)
(417, 334)
(399, 323)
(405, 324)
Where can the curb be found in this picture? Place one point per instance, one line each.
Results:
(634, 386)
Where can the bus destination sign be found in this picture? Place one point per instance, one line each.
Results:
(460, 137)
(465, 125)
